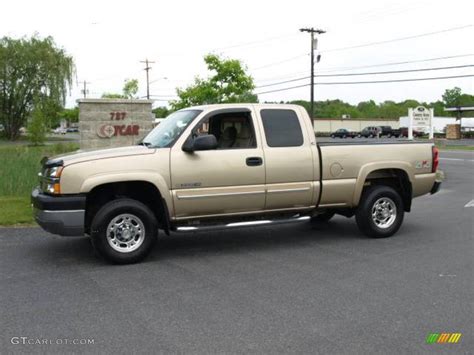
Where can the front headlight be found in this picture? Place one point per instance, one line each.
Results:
(54, 172)
(50, 180)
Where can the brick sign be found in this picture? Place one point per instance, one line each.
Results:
(107, 123)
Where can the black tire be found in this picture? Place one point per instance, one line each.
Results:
(139, 213)
(323, 217)
(369, 198)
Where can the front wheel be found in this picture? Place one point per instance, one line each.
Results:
(123, 231)
(380, 212)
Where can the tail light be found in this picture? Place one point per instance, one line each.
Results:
(434, 165)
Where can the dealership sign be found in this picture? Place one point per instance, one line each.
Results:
(421, 117)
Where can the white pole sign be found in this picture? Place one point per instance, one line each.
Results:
(420, 118)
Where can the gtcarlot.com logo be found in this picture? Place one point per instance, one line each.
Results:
(46, 341)
(443, 338)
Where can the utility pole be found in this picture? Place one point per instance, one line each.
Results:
(84, 88)
(312, 31)
(147, 69)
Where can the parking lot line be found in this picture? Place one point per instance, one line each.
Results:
(456, 159)
(470, 204)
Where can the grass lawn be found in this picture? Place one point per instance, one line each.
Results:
(19, 167)
(15, 210)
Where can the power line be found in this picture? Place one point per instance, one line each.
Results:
(398, 39)
(398, 63)
(371, 66)
(369, 82)
(281, 62)
(369, 73)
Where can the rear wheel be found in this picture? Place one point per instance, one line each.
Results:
(380, 212)
(123, 231)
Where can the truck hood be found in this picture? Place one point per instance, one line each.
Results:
(88, 155)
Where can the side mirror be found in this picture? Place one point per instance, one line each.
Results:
(206, 142)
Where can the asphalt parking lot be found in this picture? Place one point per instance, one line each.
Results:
(282, 289)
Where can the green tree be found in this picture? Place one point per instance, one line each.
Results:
(37, 126)
(70, 114)
(228, 83)
(368, 109)
(111, 95)
(130, 88)
(129, 91)
(451, 97)
(32, 71)
(161, 112)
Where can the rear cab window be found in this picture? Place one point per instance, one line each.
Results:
(282, 128)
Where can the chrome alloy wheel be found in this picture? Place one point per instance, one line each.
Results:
(125, 233)
(384, 212)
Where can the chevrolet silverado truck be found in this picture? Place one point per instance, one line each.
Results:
(225, 166)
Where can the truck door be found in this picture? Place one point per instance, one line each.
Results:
(291, 159)
(227, 180)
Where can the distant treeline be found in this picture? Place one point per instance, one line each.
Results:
(370, 109)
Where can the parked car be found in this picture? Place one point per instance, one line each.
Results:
(404, 132)
(59, 130)
(343, 133)
(388, 131)
(72, 130)
(370, 132)
(226, 166)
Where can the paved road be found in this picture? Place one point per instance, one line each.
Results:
(287, 289)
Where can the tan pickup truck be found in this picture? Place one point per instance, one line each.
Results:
(224, 166)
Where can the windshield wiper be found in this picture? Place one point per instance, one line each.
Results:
(146, 144)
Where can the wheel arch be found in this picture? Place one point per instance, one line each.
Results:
(398, 175)
(101, 191)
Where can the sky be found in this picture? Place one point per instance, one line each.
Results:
(109, 39)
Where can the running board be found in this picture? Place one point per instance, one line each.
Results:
(265, 222)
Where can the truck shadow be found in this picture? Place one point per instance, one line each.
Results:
(339, 230)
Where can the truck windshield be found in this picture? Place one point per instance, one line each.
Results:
(166, 133)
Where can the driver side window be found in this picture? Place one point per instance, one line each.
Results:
(232, 130)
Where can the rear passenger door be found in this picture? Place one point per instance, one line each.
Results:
(290, 157)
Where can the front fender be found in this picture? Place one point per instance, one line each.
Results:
(149, 176)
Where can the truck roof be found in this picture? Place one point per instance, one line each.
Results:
(243, 105)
